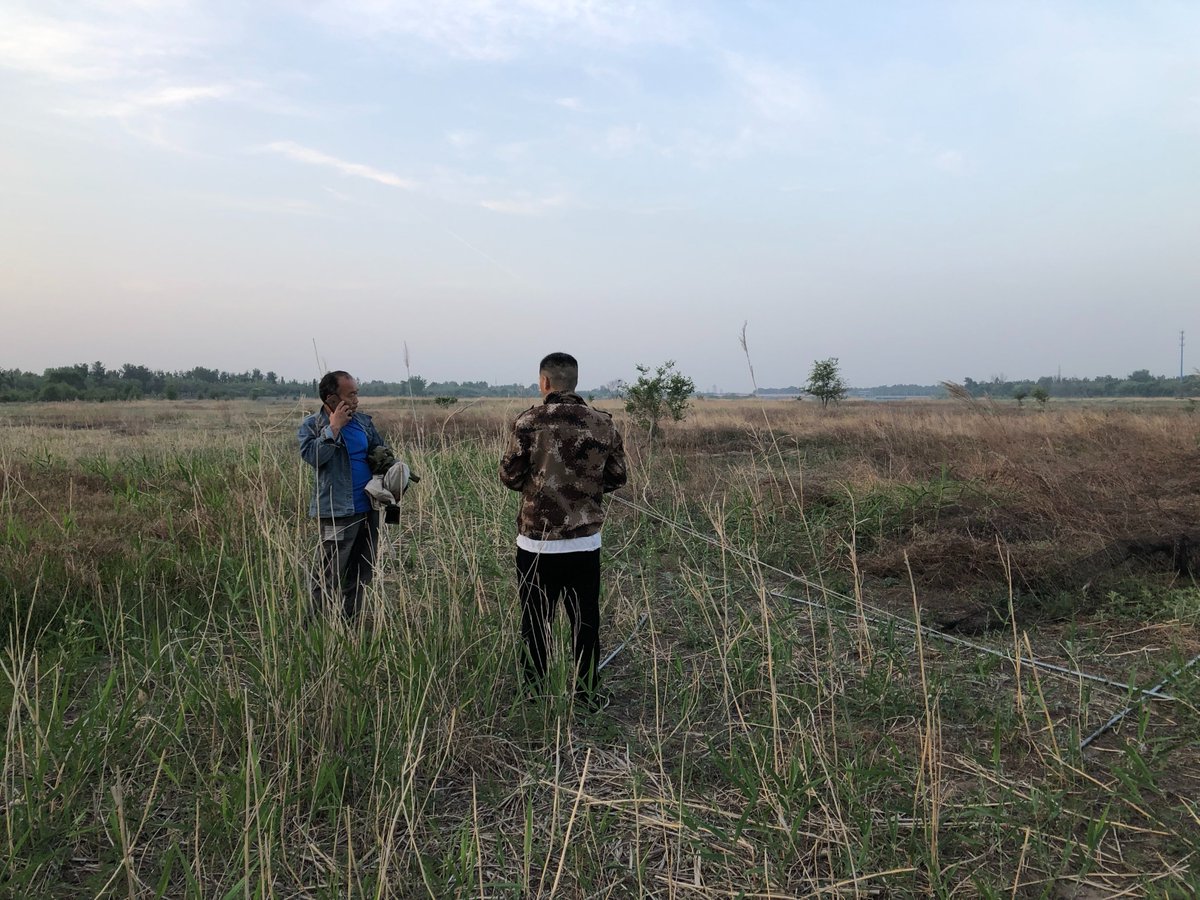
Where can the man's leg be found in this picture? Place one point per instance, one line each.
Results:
(581, 581)
(360, 565)
(329, 578)
(537, 615)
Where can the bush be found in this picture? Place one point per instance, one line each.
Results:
(651, 398)
(56, 391)
(825, 381)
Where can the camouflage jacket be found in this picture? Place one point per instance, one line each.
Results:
(563, 457)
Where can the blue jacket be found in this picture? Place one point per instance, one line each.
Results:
(332, 489)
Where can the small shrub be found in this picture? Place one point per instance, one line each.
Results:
(825, 381)
(654, 397)
(57, 390)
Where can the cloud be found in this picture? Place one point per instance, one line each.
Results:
(358, 170)
(119, 44)
(139, 63)
(269, 205)
(572, 103)
(525, 206)
(163, 99)
(622, 139)
(462, 140)
(1094, 61)
(951, 162)
(62, 51)
(181, 95)
(498, 30)
(776, 93)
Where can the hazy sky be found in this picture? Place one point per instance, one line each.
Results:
(925, 190)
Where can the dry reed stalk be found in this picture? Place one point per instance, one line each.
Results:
(928, 787)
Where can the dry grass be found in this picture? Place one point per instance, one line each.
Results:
(173, 732)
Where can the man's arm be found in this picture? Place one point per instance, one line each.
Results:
(514, 465)
(615, 474)
(317, 444)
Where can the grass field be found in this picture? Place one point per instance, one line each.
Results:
(173, 730)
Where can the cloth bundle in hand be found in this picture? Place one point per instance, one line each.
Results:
(380, 459)
(386, 489)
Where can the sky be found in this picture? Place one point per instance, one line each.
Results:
(925, 191)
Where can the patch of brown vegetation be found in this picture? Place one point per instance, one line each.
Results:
(1067, 498)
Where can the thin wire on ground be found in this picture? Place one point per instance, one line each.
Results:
(885, 618)
(621, 646)
(1152, 692)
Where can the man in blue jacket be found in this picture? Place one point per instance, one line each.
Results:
(336, 441)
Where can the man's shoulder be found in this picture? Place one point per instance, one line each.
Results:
(590, 413)
(574, 416)
(529, 416)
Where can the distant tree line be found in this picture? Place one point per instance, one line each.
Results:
(881, 390)
(95, 382)
(131, 382)
(1137, 384)
(417, 386)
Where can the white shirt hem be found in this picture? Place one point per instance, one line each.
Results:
(565, 545)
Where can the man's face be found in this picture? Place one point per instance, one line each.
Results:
(347, 393)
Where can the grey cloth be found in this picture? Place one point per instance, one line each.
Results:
(386, 489)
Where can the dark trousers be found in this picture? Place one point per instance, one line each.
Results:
(542, 578)
(345, 562)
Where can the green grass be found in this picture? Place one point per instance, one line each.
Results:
(174, 730)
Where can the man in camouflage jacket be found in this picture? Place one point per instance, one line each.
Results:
(563, 457)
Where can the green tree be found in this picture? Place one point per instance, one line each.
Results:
(1019, 395)
(72, 376)
(200, 373)
(1041, 395)
(54, 391)
(825, 381)
(652, 398)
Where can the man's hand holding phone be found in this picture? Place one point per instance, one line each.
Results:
(339, 416)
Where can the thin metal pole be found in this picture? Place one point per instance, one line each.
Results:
(621, 646)
(1153, 692)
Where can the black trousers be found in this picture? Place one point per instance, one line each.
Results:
(542, 578)
(345, 562)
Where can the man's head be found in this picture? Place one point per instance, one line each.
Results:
(337, 387)
(558, 372)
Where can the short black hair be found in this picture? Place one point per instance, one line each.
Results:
(330, 384)
(561, 370)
